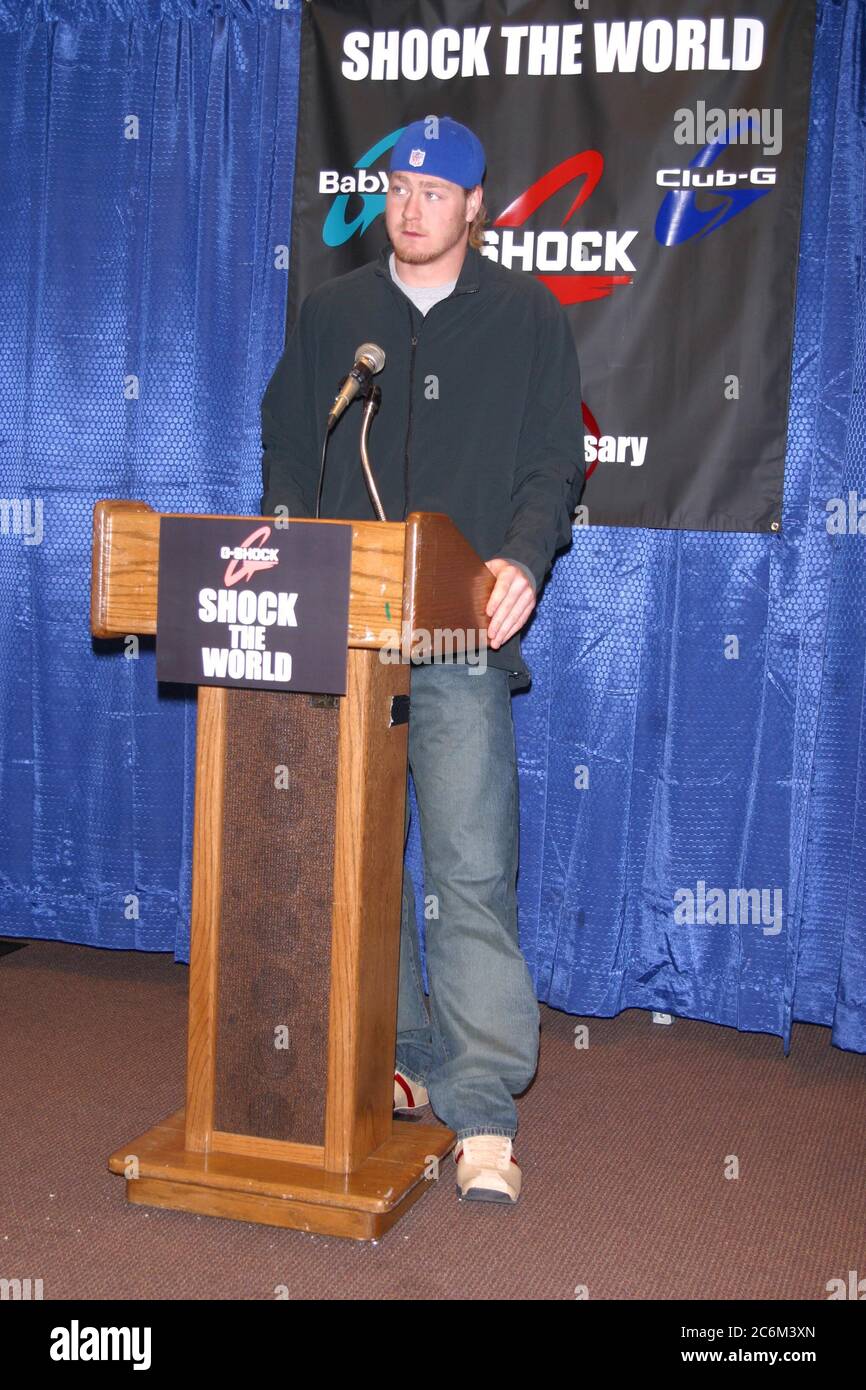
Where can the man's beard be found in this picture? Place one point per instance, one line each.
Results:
(418, 255)
(413, 255)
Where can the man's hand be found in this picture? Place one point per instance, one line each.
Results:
(510, 603)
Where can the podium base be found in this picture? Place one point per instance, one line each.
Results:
(361, 1205)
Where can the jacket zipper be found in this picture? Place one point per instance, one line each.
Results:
(414, 342)
(413, 339)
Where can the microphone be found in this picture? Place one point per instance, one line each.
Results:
(369, 359)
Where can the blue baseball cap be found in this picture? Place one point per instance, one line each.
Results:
(440, 147)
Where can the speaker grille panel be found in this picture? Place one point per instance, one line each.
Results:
(275, 933)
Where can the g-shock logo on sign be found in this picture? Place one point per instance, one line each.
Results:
(248, 557)
(552, 251)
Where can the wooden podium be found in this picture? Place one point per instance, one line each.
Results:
(296, 903)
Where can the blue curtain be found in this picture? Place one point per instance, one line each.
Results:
(146, 169)
(744, 773)
(145, 176)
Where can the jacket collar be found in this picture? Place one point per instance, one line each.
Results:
(468, 281)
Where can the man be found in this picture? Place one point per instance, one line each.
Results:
(480, 419)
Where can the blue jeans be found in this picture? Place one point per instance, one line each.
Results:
(479, 1046)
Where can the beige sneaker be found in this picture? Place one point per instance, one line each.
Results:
(487, 1170)
(409, 1096)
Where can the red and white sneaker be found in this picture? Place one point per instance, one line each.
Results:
(409, 1096)
(487, 1170)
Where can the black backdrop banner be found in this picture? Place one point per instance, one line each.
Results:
(645, 161)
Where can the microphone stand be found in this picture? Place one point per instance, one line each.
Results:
(373, 397)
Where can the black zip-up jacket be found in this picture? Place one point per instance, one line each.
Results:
(480, 415)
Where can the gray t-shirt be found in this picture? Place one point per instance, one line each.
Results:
(422, 296)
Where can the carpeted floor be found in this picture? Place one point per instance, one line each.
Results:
(624, 1148)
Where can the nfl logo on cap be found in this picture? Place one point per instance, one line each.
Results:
(416, 158)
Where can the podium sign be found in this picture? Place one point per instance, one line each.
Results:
(261, 607)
